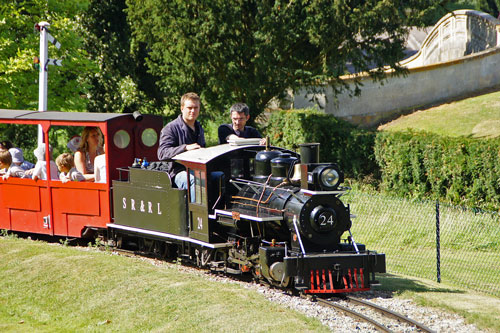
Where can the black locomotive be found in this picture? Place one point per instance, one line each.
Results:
(265, 211)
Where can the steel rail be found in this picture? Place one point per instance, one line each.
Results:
(389, 313)
(354, 314)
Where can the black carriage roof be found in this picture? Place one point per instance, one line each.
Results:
(59, 115)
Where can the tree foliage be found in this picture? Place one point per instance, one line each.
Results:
(122, 83)
(252, 51)
(19, 44)
(488, 6)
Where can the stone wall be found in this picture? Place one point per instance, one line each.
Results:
(426, 84)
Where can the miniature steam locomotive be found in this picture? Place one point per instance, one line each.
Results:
(259, 210)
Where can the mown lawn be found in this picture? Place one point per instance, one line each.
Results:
(477, 117)
(53, 288)
(405, 231)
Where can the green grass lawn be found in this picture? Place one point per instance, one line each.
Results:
(53, 288)
(405, 231)
(477, 117)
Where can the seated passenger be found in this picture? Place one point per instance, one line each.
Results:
(100, 167)
(90, 147)
(240, 113)
(18, 159)
(11, 170)
(40, 170)
(66, 165)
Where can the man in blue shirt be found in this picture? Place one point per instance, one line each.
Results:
(180, 135)
(240, 113)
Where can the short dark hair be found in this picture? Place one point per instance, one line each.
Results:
(6, 145)
(240, 107)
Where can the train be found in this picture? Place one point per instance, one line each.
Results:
(263, 211)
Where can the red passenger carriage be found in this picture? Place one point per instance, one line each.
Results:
(73, 209)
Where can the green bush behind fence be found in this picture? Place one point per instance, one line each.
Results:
(460, 171)
(341, 142)
(405, 230)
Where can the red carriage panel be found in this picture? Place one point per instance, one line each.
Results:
(76, 201)
(25, 205)
(20, 196)
(77, 206)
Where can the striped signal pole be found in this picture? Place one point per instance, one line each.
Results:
(45, 37)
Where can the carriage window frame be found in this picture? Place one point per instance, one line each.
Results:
(149, 132)
(117, 136)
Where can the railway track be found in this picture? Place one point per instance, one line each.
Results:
(359, 314)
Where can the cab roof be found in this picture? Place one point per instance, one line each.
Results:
(205, 155)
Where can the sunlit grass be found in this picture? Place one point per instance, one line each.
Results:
(60, 289)
(477, 117)
(478, 309)
(406, 232)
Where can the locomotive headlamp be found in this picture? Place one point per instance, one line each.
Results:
(328, 177)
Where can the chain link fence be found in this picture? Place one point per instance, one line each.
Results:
(465, 252)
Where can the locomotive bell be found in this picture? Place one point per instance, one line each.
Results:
(297, 175)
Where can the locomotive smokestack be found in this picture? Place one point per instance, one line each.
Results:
(309, 153)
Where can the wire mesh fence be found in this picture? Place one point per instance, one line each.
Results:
(405, 230)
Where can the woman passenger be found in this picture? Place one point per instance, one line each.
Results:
(90, 147)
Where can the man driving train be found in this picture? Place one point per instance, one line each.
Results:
(240, 113)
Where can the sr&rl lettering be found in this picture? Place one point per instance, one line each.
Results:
(141, 205)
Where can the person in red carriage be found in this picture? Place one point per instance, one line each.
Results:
(66, 165)
(90, 147)
(8, 168)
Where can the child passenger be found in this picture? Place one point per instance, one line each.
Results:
(66, 165)
(6, 164)
(40, 170)
(18, 159)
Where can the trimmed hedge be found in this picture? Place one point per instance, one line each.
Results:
(411, 164)
(341, 142)
(461, 171)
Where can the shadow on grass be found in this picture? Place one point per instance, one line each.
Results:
(394, 284)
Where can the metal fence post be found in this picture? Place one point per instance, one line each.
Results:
(438, 251)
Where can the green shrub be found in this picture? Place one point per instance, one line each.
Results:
(461, 171)
(341, 142)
